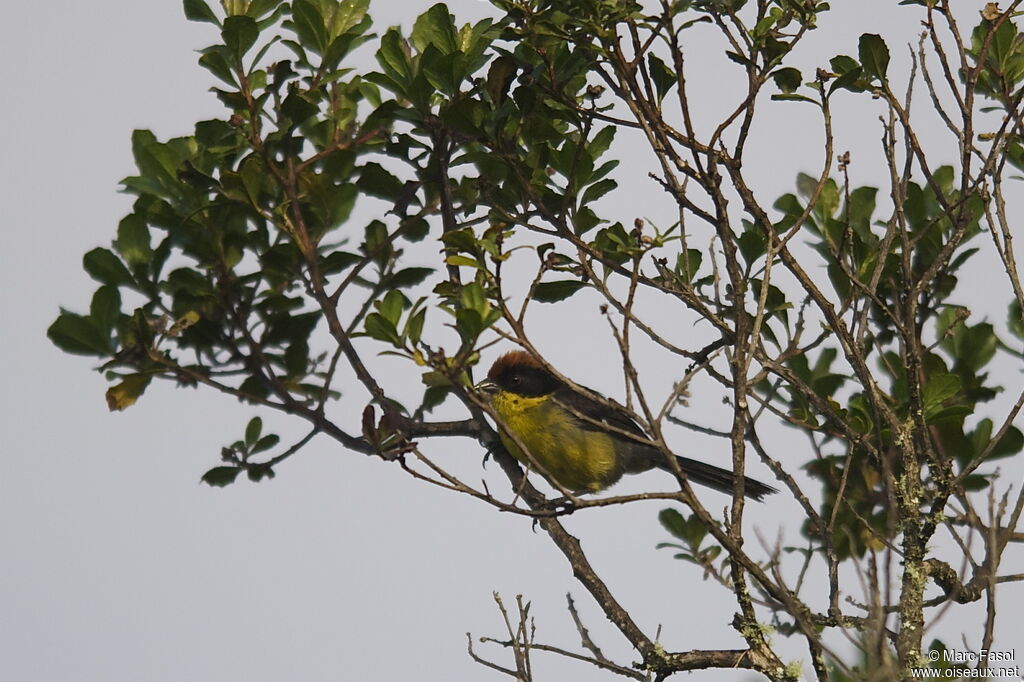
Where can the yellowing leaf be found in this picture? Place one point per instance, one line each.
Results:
(125, 394)
(183, 323)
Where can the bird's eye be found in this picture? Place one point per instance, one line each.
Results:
(515, 380)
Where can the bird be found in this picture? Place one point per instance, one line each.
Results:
(584, 445)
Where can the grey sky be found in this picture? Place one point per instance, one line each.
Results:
(116, 565)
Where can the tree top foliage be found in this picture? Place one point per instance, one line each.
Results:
(491, 153)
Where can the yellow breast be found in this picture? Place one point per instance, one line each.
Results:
(580, 460)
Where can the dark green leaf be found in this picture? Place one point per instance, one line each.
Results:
(239, 33)
(197, 10)
(253, 390)
(787, 79)
(414, 326)
(393, 58)
(435, 27)
(297, 107)
(378, 327)
(469, 324)
(338, 261)
(106, 268)
(257, 472)
(105, 308)
(409, 277)
(674, 522)
(552, 292)
(843, 63)
(434, 396)
(219, 477)
(795, 98)
(1015, 320)
(752, 244)
(213, 59)
(309, 25)
(691, 531)
(79, 335)
(874, 55)
(664, 78)
(500, 76)
(377, 182)
(252, 431)
(939, 389)
(597, 190)
(265, 443)
(688, 263)
(1010, 444)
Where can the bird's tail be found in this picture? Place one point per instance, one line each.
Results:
(716, 477)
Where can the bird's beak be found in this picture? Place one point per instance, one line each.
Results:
(487, 387)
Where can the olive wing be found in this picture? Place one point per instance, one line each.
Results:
(594, 416)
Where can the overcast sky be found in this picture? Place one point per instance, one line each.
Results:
(117, 565)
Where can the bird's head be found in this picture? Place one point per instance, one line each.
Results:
(518, 372)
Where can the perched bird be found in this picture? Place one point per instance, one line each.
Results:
(579, 442)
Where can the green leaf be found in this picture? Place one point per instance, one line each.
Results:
(338, 261)
(597, 190)
(264, 444)
(309, 25)
(664, 78)
(691, 531)
(213, 59)
(79, 335)
(674, 522)
(688, 263)
(257, 472)
(1015, 320)
(874, 55)
(106, 268)
(552, 292)
(378, 182)
(434, 396)
(1010, 444)
(500, 76)
(469, 323)
(409, 277)
(393, 58)
(939, 389)
(219, 477)
(973, 347)
(298, 107)
(794, 98)
(752, 244)
(346, 15)
(464, 261)
(473, 297)
(787, 79)
(239, 33)
(376, 244)
(252, 431)
(133, 240)
(378, 327)
(253, 389)
(391, 306)
(197, 10)
(105, 308)
(414, 326)
(435, 27)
